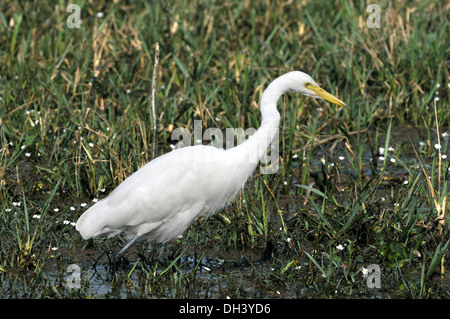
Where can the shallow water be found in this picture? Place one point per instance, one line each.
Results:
(180, 270)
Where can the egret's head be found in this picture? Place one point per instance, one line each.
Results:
(304, 84)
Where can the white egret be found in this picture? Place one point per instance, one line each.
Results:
(164, 197)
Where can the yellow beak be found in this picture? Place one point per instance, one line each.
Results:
(326, 96)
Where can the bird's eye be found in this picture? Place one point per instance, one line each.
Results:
(307, 85)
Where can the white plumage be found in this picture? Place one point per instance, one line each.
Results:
(163, 198)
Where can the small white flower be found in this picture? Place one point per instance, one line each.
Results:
(285, 183)
(22, 147)
(36, 216)
(8, 209)
(381, 158)
(128, 91)
(73, 224)
(381, 150)
(436, 98)
(422, 143)
(102, 190)
(444, 156)
(390, 149)
(91, 144)
(95, 200)
(341, 158)
(54, 248)
(100, 15)
(393, 160)
(66, 222)
(437, 146)
(56, 209)
(27, 154)
(365, 272)
(83, 204)
(340, 247)
(294, 156)
(444, 135)
(405, 182)
(396, 204)
(16, 203)
(72, 208)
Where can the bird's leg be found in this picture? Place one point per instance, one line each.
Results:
(124, 249)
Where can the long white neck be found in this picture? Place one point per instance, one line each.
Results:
(257, 144)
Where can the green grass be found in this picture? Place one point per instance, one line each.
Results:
(76, 120)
